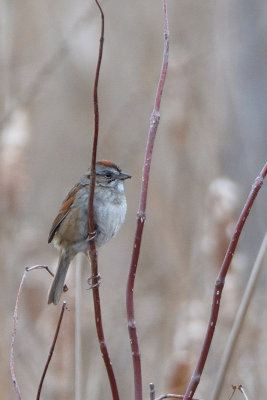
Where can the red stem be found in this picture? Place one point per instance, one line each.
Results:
(141, 214)
(92, 251)
(96, 113)
(219, 284)
(51, 351)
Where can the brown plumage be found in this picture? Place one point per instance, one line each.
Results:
(69, 231)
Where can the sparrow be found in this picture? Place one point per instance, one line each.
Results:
(69, 231)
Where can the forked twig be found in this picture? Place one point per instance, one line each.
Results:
(141, 214)
(239, 319)
(51, 350)
(219, 284)
(14, 330)
(92, 251)
(241, 389)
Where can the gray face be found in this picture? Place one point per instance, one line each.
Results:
(110, 175)
(106, 175)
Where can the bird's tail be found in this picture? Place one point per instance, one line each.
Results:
(59, 278)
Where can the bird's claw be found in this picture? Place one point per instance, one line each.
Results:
(92, 279)
(91, 236)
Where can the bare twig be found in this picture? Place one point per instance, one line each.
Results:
(219, 284)
(152, 393)
(28, 269)
(141, 214)
(239, 319)
(13, 337)
(234, 389)
(51, 350)
(171, 396)
(163, 396)
(94, 150)
(91, 227)
(241, 389)
(65, 287)
(14, 330)
(78, 349)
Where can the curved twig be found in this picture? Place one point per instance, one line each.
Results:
(14, 330)
(219, 284)
(239, 319)
(13, 337)
(241, 389)
(171, 396)
(63, 308)
(141, 214)
(163, 396)
(92, 251)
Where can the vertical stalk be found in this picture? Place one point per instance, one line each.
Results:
(219, 284)
(91, 228)
(141, 214)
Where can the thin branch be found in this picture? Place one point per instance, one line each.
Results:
(163, 396)
(65, 287)
(219, 284)
(141, 215)
(239, 319)
(152, 393)
(241, 389)
(94, 150)
(14, 330)
(13, 337)
(234, 389)
(172, 396)
(78, 348)
(28, 269)
(51, 350)
(91, 228)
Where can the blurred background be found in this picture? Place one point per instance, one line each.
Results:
(211, 144)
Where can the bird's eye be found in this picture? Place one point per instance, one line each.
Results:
(108, 175)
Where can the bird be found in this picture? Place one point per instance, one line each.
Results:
(70, 231)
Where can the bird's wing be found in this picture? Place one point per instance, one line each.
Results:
(64, 210)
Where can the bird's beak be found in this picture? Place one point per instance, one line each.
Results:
(124, 176)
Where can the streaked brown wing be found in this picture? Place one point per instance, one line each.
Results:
(63, 212)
